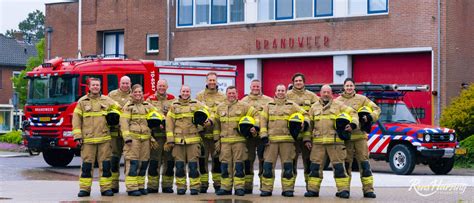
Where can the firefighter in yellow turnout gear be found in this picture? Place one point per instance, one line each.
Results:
(211, 97)
(258, 101)
(161, 160)
(275, 134)
(121, 96)
(232, 142)
(305, 99)
(92, 134)
(325, 141)
(182, 134)
(137, 136)
(357, 147)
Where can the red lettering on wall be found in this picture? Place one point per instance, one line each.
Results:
(283, 43)
(316, 42)
(326, 41)
(300, 42)
(308, 42)
(291, 42)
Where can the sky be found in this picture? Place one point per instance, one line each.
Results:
(12, 12)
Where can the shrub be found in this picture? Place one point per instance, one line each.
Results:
(13, 137)
(459, 115)
(466, 161)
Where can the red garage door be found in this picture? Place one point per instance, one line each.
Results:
(410, 68)
(276, 71)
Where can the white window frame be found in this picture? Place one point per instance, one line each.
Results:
(337, 12)
(117, 42)
(148, 50)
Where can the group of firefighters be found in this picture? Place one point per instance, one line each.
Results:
(162, 135)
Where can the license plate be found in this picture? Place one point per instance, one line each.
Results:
(461, 151)
(44, 119)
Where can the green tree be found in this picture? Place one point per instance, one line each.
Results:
(33, 26)
(20, 82)
(10, 33)
(459, 115)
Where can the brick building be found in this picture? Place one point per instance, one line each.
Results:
(378, 41)
(14, 54)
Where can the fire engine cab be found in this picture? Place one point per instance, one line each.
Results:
(398, 137)
(55, 86)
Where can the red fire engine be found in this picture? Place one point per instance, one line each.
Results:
(55, 86)
(398, 137)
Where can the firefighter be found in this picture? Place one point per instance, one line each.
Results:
(137, 136)
(324, 141)
(305, 99)
(182, 135)
(211, 97)
(121, 96)
(258, 101)
(275, 134)
(231, 143)
(91, 133)
(160, 159)
(357, 146)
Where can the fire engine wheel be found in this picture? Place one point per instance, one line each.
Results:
(402, 159)
(442, 166)
(58, 157)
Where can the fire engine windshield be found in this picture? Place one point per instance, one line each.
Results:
(51, 90)
(396, 113)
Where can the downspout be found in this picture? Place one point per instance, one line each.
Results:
(79, 30)
(168, 30)
(438, 62)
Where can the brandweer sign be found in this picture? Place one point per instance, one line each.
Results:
(293, 42)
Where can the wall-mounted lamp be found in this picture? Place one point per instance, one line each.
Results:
(340, 73)
(250, 75)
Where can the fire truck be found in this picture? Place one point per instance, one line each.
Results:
(55, 87)
(398, 137)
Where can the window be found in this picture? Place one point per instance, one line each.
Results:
(185, 12)
(284, 9)
(202, 12)
(113, 44)
(357, 7)
(137, 79)
(219, 11)
(112, 82)
(304, 8)
(174, 83)
(152, 43)
(15, 74)
(377, 6)
(323, 8)
(5, 119)
(418, 112)
(237, 10)
(266, 9)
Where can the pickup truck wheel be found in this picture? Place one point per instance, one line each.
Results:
(442, 166)
(402, 159)
(58, 157)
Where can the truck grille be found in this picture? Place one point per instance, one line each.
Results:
(45, 120)
(47, 133)
(442, 137)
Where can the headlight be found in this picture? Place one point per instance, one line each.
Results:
(427, 137)
(451, 137)
(67, 134)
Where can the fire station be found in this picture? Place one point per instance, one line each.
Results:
(376, 41)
